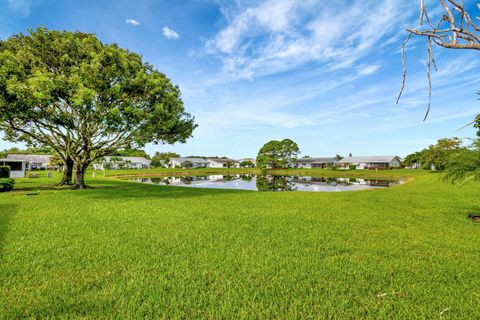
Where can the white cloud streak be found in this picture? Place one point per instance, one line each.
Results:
(170, 33)
(132, 22)
(275, 36)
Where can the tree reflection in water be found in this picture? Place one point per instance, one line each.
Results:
(275, 183)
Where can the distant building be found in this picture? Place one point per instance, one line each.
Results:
(372, 162)
(33, 161)
(203, 162)
(125, 162)
(17, 167)
(196, 162)
(316, 162)
(222, 163)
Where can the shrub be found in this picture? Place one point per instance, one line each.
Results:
(6, 184)
(4, 172)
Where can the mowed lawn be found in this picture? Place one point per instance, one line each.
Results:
(129, 250)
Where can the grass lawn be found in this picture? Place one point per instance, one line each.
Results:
(130, 250)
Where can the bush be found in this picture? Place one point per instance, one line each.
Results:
(6, 184)
(4, 172)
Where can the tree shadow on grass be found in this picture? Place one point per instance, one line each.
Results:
(7, 211)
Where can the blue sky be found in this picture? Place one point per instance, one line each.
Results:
(323, 73)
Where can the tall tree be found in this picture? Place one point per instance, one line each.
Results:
(277, 154)
(85, 99)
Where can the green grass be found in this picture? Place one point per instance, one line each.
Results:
(129, 250)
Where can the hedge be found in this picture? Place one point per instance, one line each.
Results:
(4, 171)
(6, 184)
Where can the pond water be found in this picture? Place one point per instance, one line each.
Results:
(271, 182)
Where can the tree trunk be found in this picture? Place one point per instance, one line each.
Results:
(67, 172)
(80, 169)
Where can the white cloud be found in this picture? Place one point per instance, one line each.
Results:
(170, 33)
(368, 70)
(275, 36)
(22, 7)
(134, 23)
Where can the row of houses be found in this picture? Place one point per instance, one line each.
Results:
(19, 163)
(360, 163)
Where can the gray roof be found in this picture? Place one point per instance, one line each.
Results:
(221, 160)
(12, 160)
(132, 159)
(40, 158)
(318, 160)
(369, 159)
(192, 160)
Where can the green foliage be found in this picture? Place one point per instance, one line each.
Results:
(476, 125)
(438, 155)
(6, 184)
(413, 159)
(463, 167)
(132, 153)
(4, 171)
(163, 156)
(278, 154)
(187, 164)
(89, 98)
(247, 164)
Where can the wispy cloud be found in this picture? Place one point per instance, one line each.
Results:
(132, 22)
(22, 7)
(170, 33)
(276, 36)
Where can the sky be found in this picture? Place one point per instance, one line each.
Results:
(325, 74)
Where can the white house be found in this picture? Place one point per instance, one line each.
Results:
(127, 162)
(196, 162)
(222, 163)
(372, 162)
(17, 167)
(33, 161)
(316, 162)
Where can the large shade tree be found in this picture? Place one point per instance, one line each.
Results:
(278, 154)
(85, 99)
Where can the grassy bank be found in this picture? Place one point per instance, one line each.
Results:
(128, 250)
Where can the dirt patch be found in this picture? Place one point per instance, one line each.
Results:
(474, 217)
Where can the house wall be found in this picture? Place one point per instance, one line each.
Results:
(304, 165)
(16, 173)
(215, 164)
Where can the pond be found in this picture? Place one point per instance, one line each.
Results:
(271, 182)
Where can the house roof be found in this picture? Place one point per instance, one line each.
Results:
(131, 159)
(369, 159)
(12, 160)
(318, 160)
(221, 160)
(192, 160)
(248, 159)
(41, 158)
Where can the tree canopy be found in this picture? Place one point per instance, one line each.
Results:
(278, 154)
(85, 99)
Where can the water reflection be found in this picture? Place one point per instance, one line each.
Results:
(271, 182)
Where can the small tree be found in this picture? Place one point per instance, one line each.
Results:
(187, 164)
(246, 164)
(278, 154)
